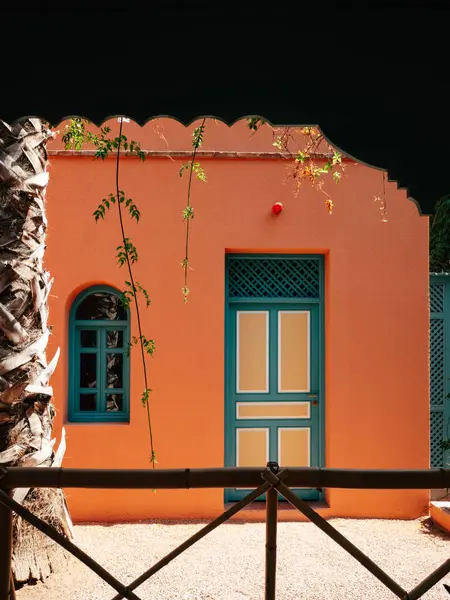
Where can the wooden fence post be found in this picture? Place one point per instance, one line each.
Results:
(6, 530)
(271, 538)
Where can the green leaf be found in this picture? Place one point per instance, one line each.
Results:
(278, 143)
(145, 396)
(337, 158)
(197, 137)
(144, 292)
(254, 123)
(188, 213)
(301, 157)
(184, 168)
(200, 173)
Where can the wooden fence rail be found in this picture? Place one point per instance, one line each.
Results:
(233, 477)
(270, 480)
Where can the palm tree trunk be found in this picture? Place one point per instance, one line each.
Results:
(26, 408)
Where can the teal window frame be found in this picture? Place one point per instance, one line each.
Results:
(100, 415)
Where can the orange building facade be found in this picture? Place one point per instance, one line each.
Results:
(304, 339)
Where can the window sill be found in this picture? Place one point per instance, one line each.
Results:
(283, 507)
(100, 421)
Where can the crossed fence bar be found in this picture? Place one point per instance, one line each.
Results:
(274, 481)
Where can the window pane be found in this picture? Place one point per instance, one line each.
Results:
(88, 402)
(114, 339)
(88, 339)
(114, 370)
(114, 402)
(101, 306)
(88, 370)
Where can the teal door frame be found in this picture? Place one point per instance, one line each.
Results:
(316, 308)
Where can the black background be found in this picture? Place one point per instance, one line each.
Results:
(375, 78)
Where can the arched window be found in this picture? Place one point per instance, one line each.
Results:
(99, 338)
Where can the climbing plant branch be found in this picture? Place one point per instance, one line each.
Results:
(128, 254)
(188, 212)
(304, 146)
(75, 136)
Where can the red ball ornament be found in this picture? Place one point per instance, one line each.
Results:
(277, 208)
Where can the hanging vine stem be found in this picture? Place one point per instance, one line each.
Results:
(312, 140)
(74, 136)
(188, 213)
(127, 251)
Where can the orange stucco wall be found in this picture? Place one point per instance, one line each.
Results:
(376, 329)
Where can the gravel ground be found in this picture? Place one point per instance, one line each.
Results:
(228, 564)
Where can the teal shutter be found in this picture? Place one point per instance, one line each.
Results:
(439, 366)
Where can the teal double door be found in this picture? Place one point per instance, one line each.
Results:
(273, 387)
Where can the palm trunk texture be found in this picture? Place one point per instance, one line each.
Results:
(26, 396)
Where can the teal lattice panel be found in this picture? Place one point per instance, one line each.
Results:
(273, 278)
(437, 363)
(439, 368)
(436, 435)
(437, 297)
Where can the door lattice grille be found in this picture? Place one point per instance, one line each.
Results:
(273, 278)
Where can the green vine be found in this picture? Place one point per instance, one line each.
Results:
(75, 136)
(106, 203)
(188, 212)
